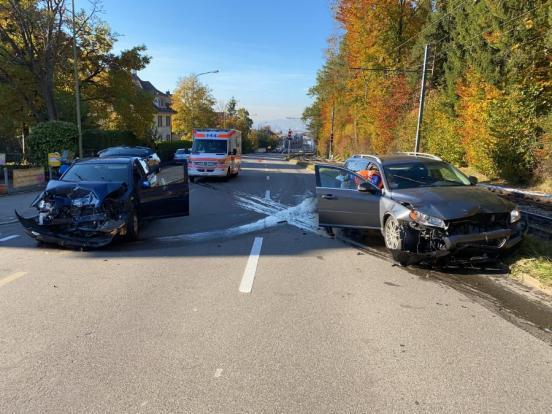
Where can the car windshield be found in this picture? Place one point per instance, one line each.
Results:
(423, 174)
(97, 172)
(210, 146)
(182, 151)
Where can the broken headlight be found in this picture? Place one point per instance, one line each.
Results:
(426, 220)
(515, 215)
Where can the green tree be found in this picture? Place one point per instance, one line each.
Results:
(194, 105)
(232, 107)
(36, 60)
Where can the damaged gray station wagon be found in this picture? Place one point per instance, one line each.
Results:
(427, 209)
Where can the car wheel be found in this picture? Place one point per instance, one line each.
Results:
(133, 225)
(192, 179)
(393, 234)
(396, 238)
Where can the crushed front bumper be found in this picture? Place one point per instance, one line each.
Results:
(86, 238)
(470, 247)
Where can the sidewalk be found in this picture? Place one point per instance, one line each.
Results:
(20, 202)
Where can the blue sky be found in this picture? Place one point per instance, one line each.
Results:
(267, 52)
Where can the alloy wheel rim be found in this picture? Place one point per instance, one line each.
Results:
(392, 234)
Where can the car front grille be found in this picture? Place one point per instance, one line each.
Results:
(479, 223)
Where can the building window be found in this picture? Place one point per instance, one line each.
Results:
(159, 121)
(168, 121)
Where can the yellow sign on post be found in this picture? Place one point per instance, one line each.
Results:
(54, 159)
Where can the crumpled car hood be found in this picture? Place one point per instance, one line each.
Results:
(101, 188)
(453, 202)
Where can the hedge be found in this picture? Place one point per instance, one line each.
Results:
(94, 140)
(51, 136)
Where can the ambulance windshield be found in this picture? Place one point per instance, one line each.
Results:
(210, 146)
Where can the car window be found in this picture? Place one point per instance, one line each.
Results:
(356, 164)
(424, 174)
(338, 178)
(97, 172)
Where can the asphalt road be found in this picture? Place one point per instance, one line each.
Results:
(160, 325)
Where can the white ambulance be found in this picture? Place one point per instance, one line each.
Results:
(215, 153)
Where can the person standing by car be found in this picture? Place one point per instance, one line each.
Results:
(372, 175)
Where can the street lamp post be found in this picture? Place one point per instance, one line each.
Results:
(193, 94)
(77, 91)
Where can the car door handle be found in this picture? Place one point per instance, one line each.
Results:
(329, 197)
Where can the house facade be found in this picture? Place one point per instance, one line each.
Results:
(162, 119)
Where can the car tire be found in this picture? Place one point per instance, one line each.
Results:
(133, 225)
(393, 235)
(192, 179)
(397, 241)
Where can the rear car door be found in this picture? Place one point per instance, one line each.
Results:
(166, 193)
(340, 204)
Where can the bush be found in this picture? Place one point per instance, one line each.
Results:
(166, 149)
(51, 136)
(514, 125)
(94, 140)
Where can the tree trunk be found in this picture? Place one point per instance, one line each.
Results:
(48, 95)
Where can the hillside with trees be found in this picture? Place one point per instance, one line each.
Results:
(489, 96)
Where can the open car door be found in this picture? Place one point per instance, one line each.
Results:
(341, 203)
(165, 193)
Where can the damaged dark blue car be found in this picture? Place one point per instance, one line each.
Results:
(97, 200)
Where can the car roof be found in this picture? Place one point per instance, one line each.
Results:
(398, 157)
(107, 160)
(127, 149)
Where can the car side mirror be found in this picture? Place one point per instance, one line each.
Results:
(234, 151)
(473, 180)
(366, 187)
(144, 184)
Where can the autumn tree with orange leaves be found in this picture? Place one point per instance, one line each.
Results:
(489, 98)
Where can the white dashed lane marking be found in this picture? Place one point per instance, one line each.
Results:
(11, 278)
(246, 284)
(5, 239)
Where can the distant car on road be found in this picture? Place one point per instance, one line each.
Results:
(426, 210)
(181, 155)
(99, 199)
(145, 153)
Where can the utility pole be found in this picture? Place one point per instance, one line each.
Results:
(330, 155)
(77, 91)
(422, 100)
